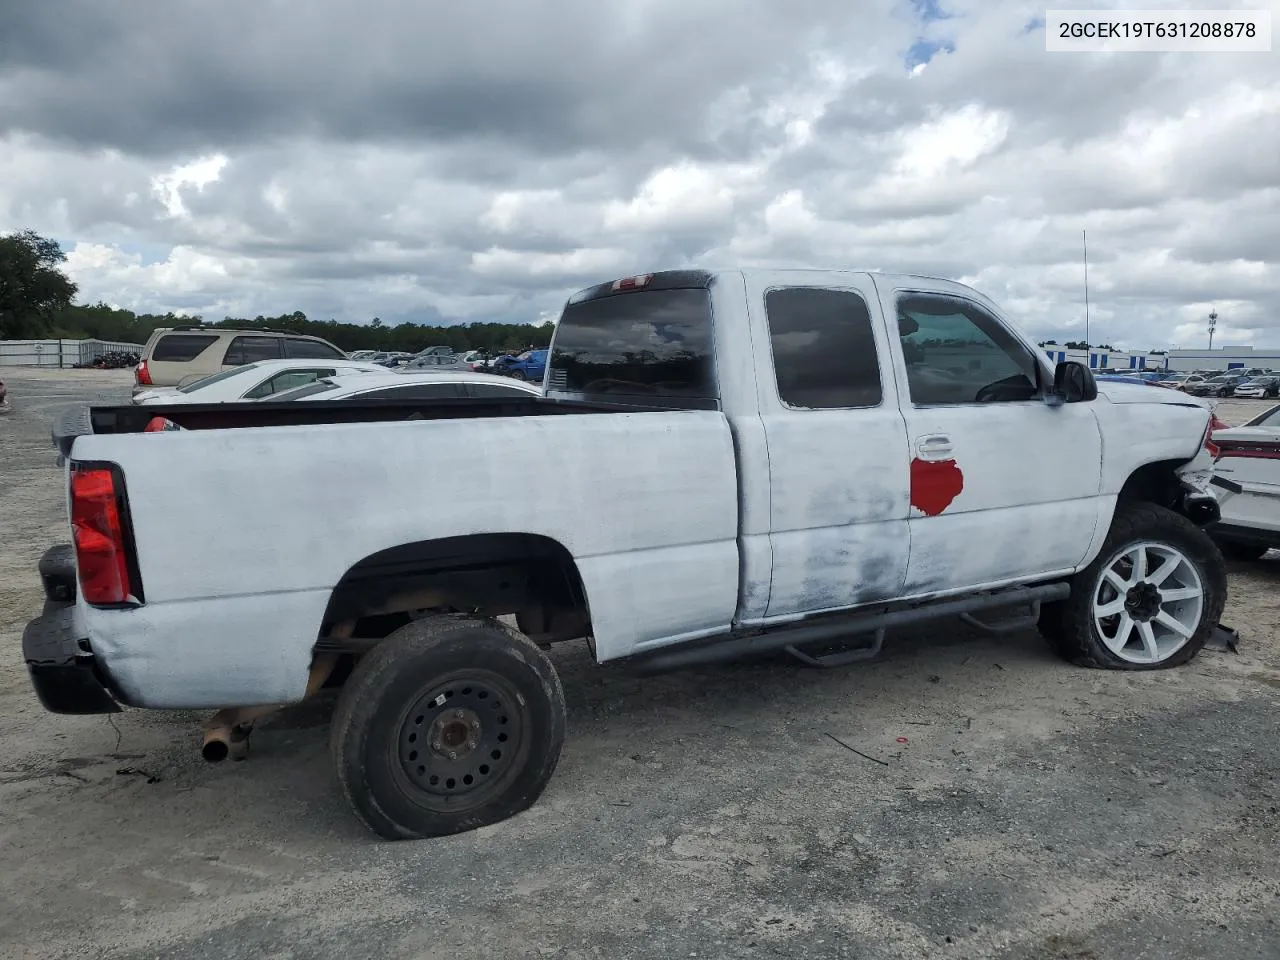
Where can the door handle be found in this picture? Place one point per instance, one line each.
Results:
(934, 447)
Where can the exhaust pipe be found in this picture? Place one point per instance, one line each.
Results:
(226, 733)
(225, 741)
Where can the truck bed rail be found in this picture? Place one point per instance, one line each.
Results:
(84, 419)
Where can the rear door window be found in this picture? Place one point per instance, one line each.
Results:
(212, 379)
(653, 343)
(302, 349)
(824, 351)
(484, 390)
(252, 349)
(182, 347)
(310, 390)
(288, 380)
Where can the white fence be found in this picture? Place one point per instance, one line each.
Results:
(59, 353)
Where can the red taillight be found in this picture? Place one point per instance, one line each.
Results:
(632, 283)
(141, 375)
(98, 531)
(1214, 425)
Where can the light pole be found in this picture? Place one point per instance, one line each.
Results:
(1084, 241)
(1213, 322)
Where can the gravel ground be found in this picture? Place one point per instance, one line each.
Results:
(1016, 808)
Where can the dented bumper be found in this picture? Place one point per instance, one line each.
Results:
(55, 645)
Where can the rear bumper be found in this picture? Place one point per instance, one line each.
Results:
(55, 646)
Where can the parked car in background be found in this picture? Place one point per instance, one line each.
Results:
(174, 356)
(392, 359)
(1247, 485)
(478, 360)
(1223, 385)
(726, 463)
(434, 361)
(255, 381)
(530, 365)
(361, 354)
(1259, 388)
(1126, 378)
(407, 386)
(1185, 381)
(439, 354)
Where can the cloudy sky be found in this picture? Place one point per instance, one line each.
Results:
(452, 162)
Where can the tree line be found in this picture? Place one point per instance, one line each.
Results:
(37, 301)
(106, 323)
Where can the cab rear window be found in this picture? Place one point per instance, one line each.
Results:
(653, 343)
(182, 347)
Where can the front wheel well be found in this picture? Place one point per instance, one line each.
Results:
(1160, 484)
(529, 576)
(1155, 483)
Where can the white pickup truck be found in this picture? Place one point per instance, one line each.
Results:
(723, 464)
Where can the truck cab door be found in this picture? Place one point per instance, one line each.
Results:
(836, 440)
(1004, 487)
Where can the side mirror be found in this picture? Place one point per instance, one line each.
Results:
(1073, 382)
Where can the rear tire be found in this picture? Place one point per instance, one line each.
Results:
(1239, 550)
(449, 724)
(1116, 619)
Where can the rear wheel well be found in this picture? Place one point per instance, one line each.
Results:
(529, 576)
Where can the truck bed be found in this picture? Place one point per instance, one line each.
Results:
(84, 419)
(242, 535)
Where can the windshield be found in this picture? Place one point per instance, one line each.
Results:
(215, 378)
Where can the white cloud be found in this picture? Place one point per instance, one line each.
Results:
(571, 265)
(168, 187)
(681, 196)
(458, 173)
(110, 274)
(950, 143)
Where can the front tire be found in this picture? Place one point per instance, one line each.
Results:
(1148, 602)
(449, 724)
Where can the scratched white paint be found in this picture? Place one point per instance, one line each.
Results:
(1135, 433)
(1029, 498)
(242, 533)
(838, 486)
(737, 343)
(682, 523)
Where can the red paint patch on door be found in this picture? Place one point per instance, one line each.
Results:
(934, 484)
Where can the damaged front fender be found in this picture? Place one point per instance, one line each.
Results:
(1196, 477)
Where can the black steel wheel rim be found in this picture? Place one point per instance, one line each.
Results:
(462, 742)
